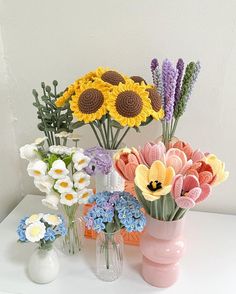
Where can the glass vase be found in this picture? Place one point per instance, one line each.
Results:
(72, 242)
(43, 266)
(109, 255)
(110, 182)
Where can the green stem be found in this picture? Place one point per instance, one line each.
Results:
(95, 132)
(102, 134)
(108, 132)
(174, 128)
(173, 213)
(163, 207)
(122, 137)
(115, 139)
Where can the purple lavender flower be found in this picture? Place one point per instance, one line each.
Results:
(169, 76)
(101, 161)
(156, 76)
(154, 64)
(180, 68)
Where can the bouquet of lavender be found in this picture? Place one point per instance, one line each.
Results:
(175, 87)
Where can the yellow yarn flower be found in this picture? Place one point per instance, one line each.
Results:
(157, 110)
(218, 168)
(129, 104)
(154, 182)
(66, 96)
(89, 101)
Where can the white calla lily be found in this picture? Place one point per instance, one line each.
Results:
(84, 195)
(58, 169)
(69, 198)
(81, 180)
(63, 185)
(51, 200)
(29, 152)
(44, 184)
(37, 168)
(80, 160)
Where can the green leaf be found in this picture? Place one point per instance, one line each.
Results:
(148, 120)
(117, 125)
(41, 127)
(145, 203)
(137, 129)
(77, 125)
(67, 160)
(51, 159)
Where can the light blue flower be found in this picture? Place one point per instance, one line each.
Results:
(50, 235)
(21, 233)
(61, 229)
(98, 225)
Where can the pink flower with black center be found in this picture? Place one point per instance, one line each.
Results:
(187, 191)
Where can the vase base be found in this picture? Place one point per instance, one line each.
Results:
(159, 275)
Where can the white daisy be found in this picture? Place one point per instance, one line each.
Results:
(52, 219)
(35, 232)
(51, 200)
(37, 168)
(57, 149)
(69, 198)
(84, 195)
(29, 152)
(62, 135)
(44, 184)
(80, 160)
(81, 180)
(58, 169)
(63, 185)
(34, 218)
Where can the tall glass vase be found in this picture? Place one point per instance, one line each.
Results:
(109, 255)
(110, 182)
(162, 246)
(72, 243)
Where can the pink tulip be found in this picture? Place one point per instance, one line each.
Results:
(185, 147)
(125, 161)
(177, 159)
(187, 191)
(152, 152)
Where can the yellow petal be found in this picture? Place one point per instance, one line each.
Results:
(157, 172)
(150, 197)
(170, 173)
(141, 177)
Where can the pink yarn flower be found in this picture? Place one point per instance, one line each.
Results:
(177, 159)
(185, 147)
(187, 191)
(152, 152)
(125, 161)
(203, 172)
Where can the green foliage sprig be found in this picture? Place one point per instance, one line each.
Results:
(53, 120)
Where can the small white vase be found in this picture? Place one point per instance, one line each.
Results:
(110, 182)
(43, 266)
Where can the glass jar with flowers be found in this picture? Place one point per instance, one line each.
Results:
(42, 229)
(112, 211)
(59, 173)
(168, 183)
(111, 104)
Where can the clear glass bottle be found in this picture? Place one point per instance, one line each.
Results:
(109, 255)
(73, 241)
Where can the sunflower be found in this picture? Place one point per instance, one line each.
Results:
(109, 77)
(129, 104)
(138, 79)
(157, 110)
(66, 96)
(89, 101)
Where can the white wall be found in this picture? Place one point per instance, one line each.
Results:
(46, 40)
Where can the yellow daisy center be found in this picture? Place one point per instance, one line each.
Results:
(64, 184)
(82, 180)
(35, 231)
(154, 186)
(81, 161)
(69, 197)
(86, 194)
(129, 104)
(52, 218)
(58, 171)
(37, 172)
(90, 101)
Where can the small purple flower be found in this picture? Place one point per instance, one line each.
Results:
(180, 68)
(169, 76)
(101, 161)
(154, 64)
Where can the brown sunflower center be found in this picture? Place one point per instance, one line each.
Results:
(90, 101)
(129, 104)
(155, 99)
(154, 186)
(112, 77)
(138, 79)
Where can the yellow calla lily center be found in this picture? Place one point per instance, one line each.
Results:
(218, 168)
(154, 182)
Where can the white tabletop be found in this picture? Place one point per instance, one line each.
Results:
(209, 264)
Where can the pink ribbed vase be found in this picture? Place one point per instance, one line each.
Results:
(162, 247)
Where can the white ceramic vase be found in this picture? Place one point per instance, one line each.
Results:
(43, 266)
(110, 182)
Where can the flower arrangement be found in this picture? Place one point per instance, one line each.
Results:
(42, 229)
(59, 172)
(100, 161)
(109, 101)
(114, 211)
(168, 182)
(175, 87)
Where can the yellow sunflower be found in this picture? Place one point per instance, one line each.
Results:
(109, 77)
(129, 104)
(66, 96)
(157, 110)
(89, 101)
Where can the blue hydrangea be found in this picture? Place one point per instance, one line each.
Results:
(21, 233)
(61, 229)
(121, 209)
(50, 235)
